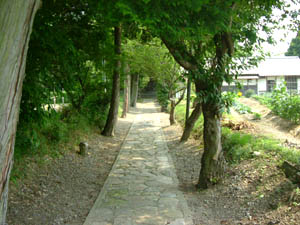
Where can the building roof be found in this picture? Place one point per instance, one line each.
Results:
(242, 77)
(277, 66)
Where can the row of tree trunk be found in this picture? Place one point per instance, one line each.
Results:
(131, 89)
(131, 86)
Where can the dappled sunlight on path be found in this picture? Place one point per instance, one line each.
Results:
(142, 187)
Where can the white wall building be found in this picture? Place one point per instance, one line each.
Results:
(271, 73)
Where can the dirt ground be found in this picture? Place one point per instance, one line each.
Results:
(253, 192)
(269, 124)
(63, 190)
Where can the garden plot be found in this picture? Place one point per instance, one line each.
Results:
(269, 124)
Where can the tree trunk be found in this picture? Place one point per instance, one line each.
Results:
(114, 104)
(291, 172)
(190, 122)
(195, 101)
(126, 92)
(188, 100)
(16, 19)
(172, 113)
(213, 161)
(134, 89)
(191, 119)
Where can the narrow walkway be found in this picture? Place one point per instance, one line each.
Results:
(142, 187)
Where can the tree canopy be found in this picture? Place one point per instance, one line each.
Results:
(202, 36)
(294, 48)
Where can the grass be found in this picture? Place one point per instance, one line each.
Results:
(240, 146)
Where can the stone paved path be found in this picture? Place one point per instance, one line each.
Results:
(142, 187)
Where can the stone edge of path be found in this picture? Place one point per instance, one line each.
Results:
(184, 207)
(106, 183)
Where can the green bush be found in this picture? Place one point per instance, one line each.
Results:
(256, 116)
(236, 146)
(228, 100)
(162, 97)
(263, 99)
(241, 108)
(249, 93)
(95, 108)
(285, 105)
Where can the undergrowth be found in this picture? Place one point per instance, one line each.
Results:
(282, 103)
(241, 108)
(49, 137)
(240, 146)
(39, 140)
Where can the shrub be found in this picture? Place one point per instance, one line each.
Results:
(236, 146)
(263, 99)
(162, 97)
(241, 108)
(285, 105)
(256, 116)
(249, 93)
(228, 100)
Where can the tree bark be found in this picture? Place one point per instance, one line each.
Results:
(172, 113)
(213, 161)
(134, 89)
(126, 92)
(188, 100)
(16, 19)
(174, 104)
(190, 122)
(291, 172)
(114, 104)
(192, 119)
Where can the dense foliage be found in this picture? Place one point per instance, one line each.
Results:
(68, 58)
(285, 105)
(294, 48)
(282, 103)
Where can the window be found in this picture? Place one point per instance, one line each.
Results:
(291, 83)
(270, 85)
(251, 82)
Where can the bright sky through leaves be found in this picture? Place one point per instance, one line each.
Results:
(283, 37)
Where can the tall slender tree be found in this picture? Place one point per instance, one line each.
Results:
(126, 91)
(115, 99)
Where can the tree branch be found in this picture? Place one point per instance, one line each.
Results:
(180, 54)
(181, 97)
